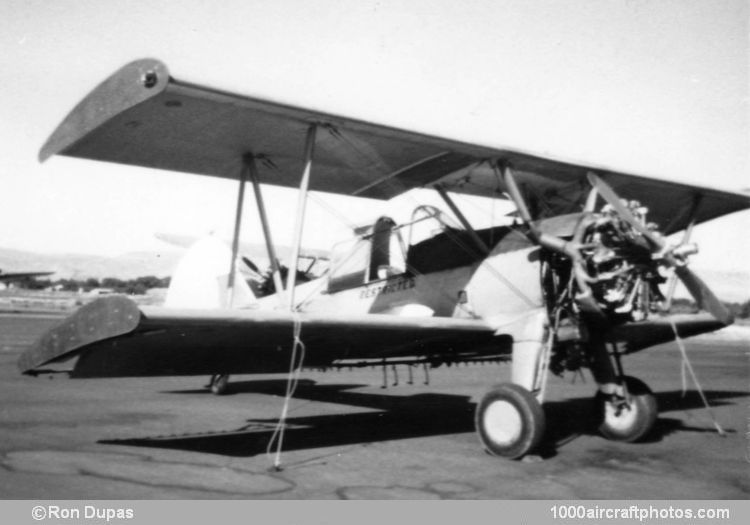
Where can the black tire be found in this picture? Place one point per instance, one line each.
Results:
(632, 422)
(509, 421)
(220, 384)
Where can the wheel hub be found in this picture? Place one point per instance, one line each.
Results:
(620, 415)
(502, 422)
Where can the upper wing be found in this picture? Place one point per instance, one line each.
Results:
(113, 337)
(142, 116)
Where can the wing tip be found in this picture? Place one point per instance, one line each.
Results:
(130, 85)
(98, 320)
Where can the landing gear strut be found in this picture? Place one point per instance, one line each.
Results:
(630, 417)
(509, 421)
(219, 384)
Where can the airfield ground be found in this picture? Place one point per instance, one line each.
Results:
(348, 438)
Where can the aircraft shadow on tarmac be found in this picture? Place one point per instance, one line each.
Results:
(403, 417)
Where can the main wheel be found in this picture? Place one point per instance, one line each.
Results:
(509, 421)
(627, 421)
(219, 384)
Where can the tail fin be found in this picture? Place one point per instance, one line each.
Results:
(201, 279)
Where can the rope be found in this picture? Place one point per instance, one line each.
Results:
(687, 365)
(295, 368)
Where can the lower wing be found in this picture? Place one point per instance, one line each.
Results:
(113, 337)
(643, 334)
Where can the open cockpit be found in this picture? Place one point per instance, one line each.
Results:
(431, 241)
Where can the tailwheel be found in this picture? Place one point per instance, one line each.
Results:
(509, 421)
(219, 384)
(627, 419)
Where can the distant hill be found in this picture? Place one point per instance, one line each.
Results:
(81, 266)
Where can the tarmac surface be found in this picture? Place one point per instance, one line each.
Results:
(347, 438)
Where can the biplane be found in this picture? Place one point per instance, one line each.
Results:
(575, 280)
(9, 277)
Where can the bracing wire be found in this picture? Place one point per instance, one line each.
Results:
(332, 210)
(686, 365)
(401, 187)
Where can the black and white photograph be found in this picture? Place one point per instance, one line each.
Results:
(374, 250)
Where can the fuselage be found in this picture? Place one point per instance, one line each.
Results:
(442, 277)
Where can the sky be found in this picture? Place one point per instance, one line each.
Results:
(654, 88)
